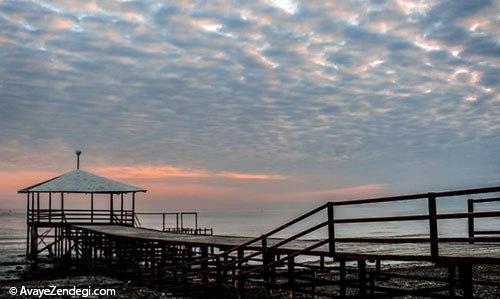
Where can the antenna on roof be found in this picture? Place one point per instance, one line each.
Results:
(78, 153)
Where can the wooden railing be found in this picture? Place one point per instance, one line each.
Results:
(432, 217)
(472, 215)
(190, 231)
(180, 226)
(45, 216)
(258, 249)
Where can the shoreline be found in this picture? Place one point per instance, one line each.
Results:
(43, 276)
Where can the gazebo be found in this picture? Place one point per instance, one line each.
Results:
(44, 225)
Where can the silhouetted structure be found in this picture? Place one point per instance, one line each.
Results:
(178, 257)
(46, 220)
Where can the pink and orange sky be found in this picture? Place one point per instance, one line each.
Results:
(177, 187)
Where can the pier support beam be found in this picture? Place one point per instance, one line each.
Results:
(241, 279)
(451, 279)
(342, 277)
(465, 277)
(362, 278)
(291, 274)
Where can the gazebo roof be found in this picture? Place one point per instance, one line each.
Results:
(79, 181)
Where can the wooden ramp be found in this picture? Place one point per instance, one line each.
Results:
(477, 252)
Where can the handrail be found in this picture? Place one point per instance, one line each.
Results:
(180, 226)
(256, 239)
(178, 217)
(280, 228)
(268, 265)
(69, 216)
(482, 200)
(397, 240)
(418, 217)
(377, 200)
(432, 216)
(282, 242)
(78, 210)
(472, 215)
(292, 255)
(418, 196)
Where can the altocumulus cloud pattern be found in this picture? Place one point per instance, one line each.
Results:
(377, 89)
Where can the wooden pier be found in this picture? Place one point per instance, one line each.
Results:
(477, 252)
(331, 266)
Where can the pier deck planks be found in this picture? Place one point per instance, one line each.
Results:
(477, 253)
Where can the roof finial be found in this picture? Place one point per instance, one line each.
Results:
(78, 153)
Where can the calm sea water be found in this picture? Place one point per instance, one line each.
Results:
(257, 222)
(12, 241)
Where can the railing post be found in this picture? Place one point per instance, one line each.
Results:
(225, 262)
(176, 222)
(133, 208)
(182, 221)
(163, 222)
(91, 207)
(342, 279)
(265, 260)
(291, 275)
(27, 222)
(470, 218)
(121, 208)
(218, 270)
(466, 280)
(38, 206)
(241, 254)
(32, 216)
(62, 207)
(433, 228)
(133, 202)
(451, 280)
(50, 206)
(272, 257)
(204, 264)
(331, 229)
(111, 208)
(362, 278)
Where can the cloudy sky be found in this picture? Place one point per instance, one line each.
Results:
(234, 103)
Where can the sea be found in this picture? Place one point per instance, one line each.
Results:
(255, 222)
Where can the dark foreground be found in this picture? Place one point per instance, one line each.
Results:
(44, 277)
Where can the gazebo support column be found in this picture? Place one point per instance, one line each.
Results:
(27, 223)
(133, 208)
(50, 207)
(62, 207)
(33, 230)
(111, 208)
(38, 207)
(121, 208)
(91, 207)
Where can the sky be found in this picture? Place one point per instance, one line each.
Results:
(233, 104)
